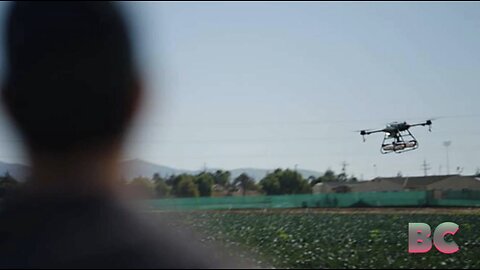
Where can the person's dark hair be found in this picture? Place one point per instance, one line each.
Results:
(70, 77)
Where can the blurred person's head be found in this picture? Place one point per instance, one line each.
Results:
(70, 81)
(71, 88)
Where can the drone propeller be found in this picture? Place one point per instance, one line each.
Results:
(429, 123)
(364, 132)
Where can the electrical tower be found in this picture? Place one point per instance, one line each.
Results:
(426, 167)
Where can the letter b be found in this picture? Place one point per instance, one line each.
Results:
(419, 238)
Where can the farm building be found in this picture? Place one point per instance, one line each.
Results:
(334, 187)
(331, 187)
(377, 184)
(456, 182)
(417, 183)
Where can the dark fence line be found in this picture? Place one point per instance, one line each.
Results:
(465, 198)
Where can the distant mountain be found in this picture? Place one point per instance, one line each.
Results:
(17, 171)
(258, 174)
(137, 167)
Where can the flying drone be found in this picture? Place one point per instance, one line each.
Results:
(397, 136)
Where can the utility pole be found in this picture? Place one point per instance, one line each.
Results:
(426, 167)
(344, 177)
(296, 173)
(344, 168)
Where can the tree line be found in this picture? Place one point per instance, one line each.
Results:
(208, 184)
(220, 183)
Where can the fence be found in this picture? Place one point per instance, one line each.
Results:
(465, 198)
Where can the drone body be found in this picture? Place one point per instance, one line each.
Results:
(398, 137)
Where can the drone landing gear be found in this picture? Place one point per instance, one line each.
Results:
(399, 142)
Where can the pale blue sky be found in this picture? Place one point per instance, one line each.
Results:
(277, 84)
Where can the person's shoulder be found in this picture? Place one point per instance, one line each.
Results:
(101, 233)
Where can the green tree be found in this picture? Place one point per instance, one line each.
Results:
(292, 182)
(245, 182)
(285, 182)
(342, 177)
(186, 186)
(204, 182)
(174, 180)
(329, 176)
(142, 187)
(270, 184)
(312, 180)
(162, 190)
(156, 178)
(222, 178)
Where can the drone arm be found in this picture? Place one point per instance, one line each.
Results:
(365, 132)
(373, 131)
(427, 123)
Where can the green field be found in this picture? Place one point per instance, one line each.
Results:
(338, 239)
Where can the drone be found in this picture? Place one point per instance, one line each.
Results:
(397, 136)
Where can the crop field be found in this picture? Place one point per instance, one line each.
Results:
(337, 238)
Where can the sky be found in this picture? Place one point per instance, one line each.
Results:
(267, 85)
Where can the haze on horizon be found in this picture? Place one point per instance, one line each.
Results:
(266, 85)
